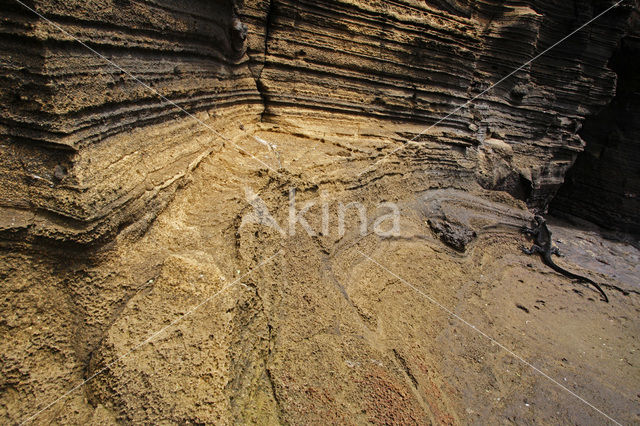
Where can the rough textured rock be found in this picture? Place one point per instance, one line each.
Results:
(89, 150)
(319, 334)
(458, 217)
(412, 62)
(90, 146)
(454, 235)
(170, 391)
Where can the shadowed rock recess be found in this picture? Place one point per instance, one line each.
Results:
(603, 186)
(138, 136)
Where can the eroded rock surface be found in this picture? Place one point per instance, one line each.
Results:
(191, 314)
(318, 333)
(93, 143)
(92, 146)
(457, 217)
(413, 63)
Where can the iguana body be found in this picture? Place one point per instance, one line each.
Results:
(543, 245)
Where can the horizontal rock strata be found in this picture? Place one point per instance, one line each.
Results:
(90, 146)
(95, 142)
(415, 62)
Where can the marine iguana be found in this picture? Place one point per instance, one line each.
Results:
(543, 245)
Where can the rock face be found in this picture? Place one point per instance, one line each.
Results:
(207, 318)
(204, 320)
(414, 63)
(604, 184)
(93, 143)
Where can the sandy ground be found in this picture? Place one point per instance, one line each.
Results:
(242, 323)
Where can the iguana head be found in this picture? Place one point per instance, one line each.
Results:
(539, 219)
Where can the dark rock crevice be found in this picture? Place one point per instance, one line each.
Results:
(603, 186)
(269, 22)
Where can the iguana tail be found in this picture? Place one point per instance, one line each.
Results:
(563, 271)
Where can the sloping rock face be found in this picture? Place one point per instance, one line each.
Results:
(209, 319)
(91, 146)
(604, 184)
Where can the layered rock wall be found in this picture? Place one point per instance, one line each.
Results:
(414, 62)
(89, 146)
(88, 149)
(92, 143)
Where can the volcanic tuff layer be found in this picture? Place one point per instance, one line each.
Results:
(298, 328)
(210, 319)
(92, 144)
(88, 150)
